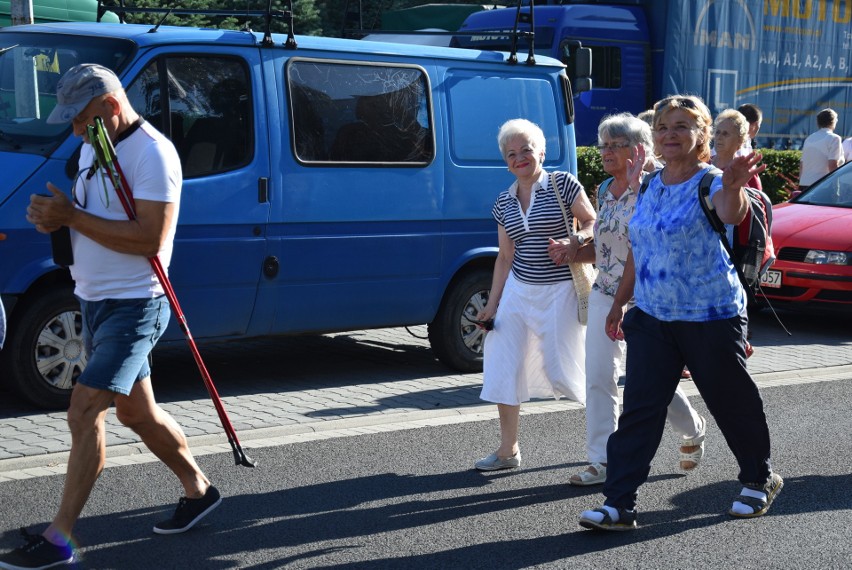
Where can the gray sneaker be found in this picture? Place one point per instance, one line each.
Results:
(494, 463)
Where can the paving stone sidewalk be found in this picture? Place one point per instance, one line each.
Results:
(376, 375)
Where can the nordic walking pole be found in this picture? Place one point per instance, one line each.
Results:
(107, 159)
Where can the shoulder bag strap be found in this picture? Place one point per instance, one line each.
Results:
(571, 228)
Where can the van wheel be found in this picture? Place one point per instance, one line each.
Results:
(455, 340)
(46, 354)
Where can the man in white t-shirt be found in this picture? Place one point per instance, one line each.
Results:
(847, 150)
(821, 152)
(122, 303)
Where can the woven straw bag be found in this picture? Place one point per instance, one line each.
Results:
(583, 274)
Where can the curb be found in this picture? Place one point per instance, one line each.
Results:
(20, 468)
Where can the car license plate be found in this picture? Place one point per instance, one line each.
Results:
(771, 279)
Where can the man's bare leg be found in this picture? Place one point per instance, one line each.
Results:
(86, 417)
(162, 435)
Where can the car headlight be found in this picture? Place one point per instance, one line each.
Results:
(826, 257)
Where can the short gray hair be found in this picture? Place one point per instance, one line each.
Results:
(521, 128)
(624, 125)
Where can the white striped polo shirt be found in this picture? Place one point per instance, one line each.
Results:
(532, 231)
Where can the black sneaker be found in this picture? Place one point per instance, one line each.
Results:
(37, 553)
(189, 512)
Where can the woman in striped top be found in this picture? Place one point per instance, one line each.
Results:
(537, 346)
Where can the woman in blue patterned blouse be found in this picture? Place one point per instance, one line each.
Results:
(690, 310)
(537, 345)
(623, 141)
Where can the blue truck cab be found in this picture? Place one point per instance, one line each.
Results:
(329, 184)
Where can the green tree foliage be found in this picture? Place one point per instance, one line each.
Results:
(779, 179)
(340, 15)
(306, 15)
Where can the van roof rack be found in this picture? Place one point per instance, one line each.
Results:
(120, 9)
(521, 17)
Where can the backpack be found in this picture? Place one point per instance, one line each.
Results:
(752, 252)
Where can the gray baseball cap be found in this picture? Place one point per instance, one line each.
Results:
(78, 87)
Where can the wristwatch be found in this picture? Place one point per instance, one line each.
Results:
(581, 240)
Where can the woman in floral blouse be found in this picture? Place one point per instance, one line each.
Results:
(624, 141)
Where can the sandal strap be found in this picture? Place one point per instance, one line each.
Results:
(698, 439)
(693, 441)
(585, 475)
(756, 504)
(693, 456)
(607, 519)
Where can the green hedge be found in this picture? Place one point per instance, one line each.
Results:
(779, 179)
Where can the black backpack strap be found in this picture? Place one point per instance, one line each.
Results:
(712, 217)
(708, 207)
(647, 181)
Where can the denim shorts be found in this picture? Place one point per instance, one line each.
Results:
(119, 335)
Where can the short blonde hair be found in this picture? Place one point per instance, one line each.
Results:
(521, 128)
(699, 111)
(738, 119)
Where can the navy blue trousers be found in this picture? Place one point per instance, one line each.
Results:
(657, 351)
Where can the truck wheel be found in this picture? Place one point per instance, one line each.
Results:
(455, 340)
(45, 350)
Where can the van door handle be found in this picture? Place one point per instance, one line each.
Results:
(263, 190)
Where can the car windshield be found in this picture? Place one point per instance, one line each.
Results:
(833, 190)
(30, 67)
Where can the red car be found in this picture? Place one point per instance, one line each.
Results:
(812, 235)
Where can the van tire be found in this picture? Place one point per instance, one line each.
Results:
(455, 340)
(48, 324)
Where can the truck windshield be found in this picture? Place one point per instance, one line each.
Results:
(30, 67)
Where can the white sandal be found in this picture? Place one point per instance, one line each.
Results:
(694, 456)
(586, 477)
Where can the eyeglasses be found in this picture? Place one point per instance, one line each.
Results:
(613, 146)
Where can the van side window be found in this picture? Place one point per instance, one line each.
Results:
(471, 133)
(207, 113)
(606, 64)
(360, 113)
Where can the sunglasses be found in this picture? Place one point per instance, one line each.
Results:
(675, 102)
(80, 191)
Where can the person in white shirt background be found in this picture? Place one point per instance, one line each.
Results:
(822, 151)
(847, 149)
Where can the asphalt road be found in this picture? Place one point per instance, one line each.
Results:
(369, 466)
(409, 499)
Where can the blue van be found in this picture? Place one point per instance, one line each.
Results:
(330, 184)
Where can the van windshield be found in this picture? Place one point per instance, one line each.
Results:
(30, 68)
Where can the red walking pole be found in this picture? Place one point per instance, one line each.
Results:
(106, 158)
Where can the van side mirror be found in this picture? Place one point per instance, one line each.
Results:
(795, 194)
